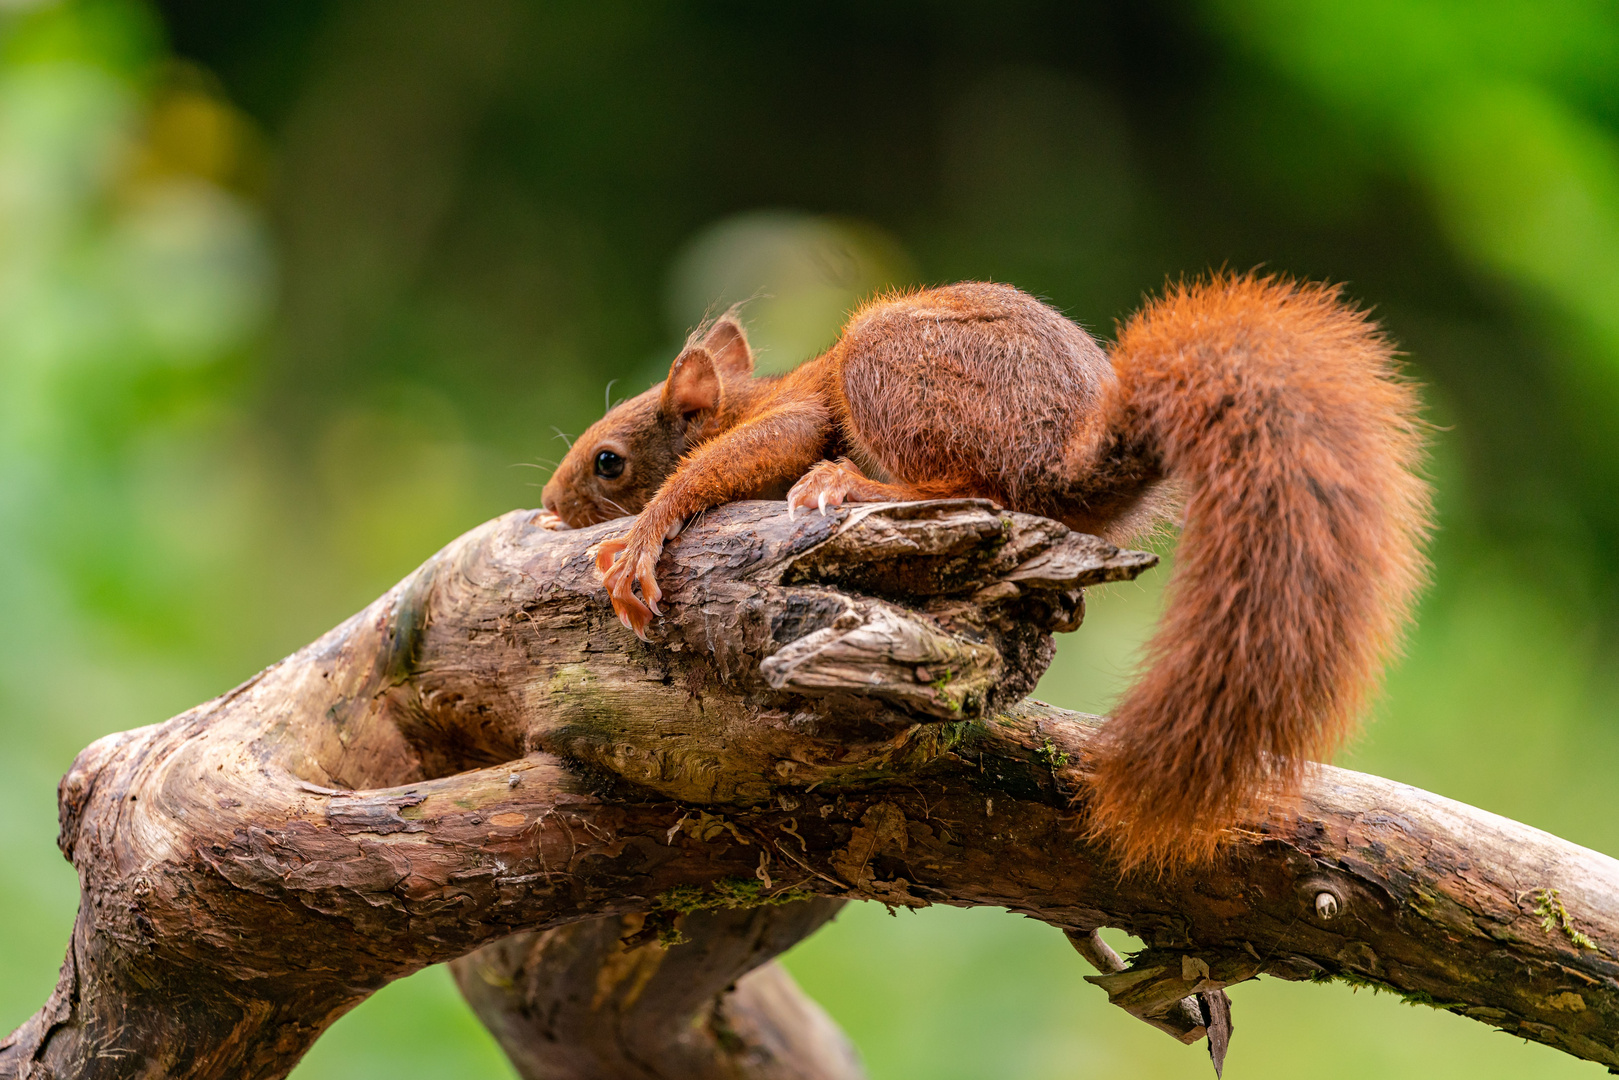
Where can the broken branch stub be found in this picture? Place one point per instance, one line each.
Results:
(992, 583)
(485, 752)
(1182, 1018)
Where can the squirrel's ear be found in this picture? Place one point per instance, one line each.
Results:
(693, 385)
(727, 343)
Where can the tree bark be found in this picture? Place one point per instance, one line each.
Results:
(830, 708)
(608, 998)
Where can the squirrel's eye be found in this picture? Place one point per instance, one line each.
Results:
(609, 464)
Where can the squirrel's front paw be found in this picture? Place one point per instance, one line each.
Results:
(828, 483)
(623, 563)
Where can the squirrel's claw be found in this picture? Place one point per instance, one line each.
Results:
(827, 484)
(634, 622)
(634, 614)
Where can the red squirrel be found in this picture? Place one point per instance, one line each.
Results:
(1271, 410)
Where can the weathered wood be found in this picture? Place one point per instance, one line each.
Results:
(1182, 1019)
(829, 708)
(608, 998)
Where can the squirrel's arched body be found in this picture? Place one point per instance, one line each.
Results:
(1273, 408)
(921, 389)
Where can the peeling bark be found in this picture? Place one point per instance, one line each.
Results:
(829, 709)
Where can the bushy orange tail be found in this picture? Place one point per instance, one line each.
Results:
(1279, 410)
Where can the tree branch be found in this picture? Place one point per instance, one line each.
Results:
(607, 998)
(829, 708)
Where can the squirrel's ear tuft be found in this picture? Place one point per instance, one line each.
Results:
(693, 385)
(727, 343)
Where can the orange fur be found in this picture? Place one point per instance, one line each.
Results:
(1274, 407)
(1280, 410)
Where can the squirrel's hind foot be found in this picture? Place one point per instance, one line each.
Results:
(832, 483)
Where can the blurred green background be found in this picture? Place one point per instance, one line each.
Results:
(293, 293)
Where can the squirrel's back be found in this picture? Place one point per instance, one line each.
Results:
(968, 388)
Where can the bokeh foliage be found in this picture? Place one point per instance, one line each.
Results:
(292, 293)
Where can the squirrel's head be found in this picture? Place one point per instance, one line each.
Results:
(617, 465)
